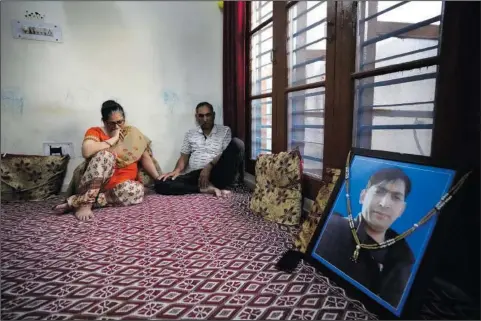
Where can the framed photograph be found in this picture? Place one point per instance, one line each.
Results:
(386, 195)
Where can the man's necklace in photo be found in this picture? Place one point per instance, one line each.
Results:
(442, 202)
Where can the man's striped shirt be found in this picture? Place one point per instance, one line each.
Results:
(203, 149)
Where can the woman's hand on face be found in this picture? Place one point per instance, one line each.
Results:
(116, 135)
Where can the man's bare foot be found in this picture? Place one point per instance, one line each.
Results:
(211, 190)
(84, 213)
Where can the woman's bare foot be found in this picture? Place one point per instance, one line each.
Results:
(211, 190)
(84, 213)
(225, 192)
(62, 208)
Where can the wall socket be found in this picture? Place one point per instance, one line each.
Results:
(58, 149)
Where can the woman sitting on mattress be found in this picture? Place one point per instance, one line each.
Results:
(110, 173)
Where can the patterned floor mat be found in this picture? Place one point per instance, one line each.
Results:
(191, 257)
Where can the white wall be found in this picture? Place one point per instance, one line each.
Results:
(158, 59)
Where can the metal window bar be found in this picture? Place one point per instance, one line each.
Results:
(309, 113)
(259, 144)
(362, 128)
(261, 19)
(294, 127)
(305, 142)
(398, 80)
(258, 86)
(399, 105)
(403, 113)
(401, 31)
(312, 158)
(261, 117)
(262, 54)
(383, 11)
(303, 81)
(296, 25)
(262, 103)
(293, 84)
(258, 22)
(307, 10)
(264, 78)
(295, 34)
(258, 10)
(259, 80)
(400, 55)
(255, 117)
(317, 93)
(260, 67)
(262, 91)
(257, 14)
(393, 127)
(258, 58)
(314, 110)
(376, 112)
(257, 72)
(258, 108)
(307, 62)
(308, 44)
(262, 41)
(298, 98)
(264, 3)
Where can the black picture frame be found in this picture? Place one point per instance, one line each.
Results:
(426, 268)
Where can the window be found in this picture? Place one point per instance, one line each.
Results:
(287, 108)
(395, 79)
(261, 44)
(329, 75)
(306, 68)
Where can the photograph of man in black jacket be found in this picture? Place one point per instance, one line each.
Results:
(385, 272)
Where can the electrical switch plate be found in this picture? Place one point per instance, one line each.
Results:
(36, 30)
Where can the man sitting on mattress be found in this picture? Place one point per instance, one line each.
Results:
(208, 161)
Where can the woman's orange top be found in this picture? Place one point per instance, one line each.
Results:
(120, 174)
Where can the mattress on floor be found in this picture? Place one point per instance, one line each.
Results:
(171, 257)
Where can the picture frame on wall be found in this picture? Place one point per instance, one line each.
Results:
(388, 196)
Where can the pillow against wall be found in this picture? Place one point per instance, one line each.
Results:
(277, 196)
(32, 178)
(308, 227)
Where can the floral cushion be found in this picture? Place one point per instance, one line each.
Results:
(277, 195)
(309, 226)
(32, 178)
